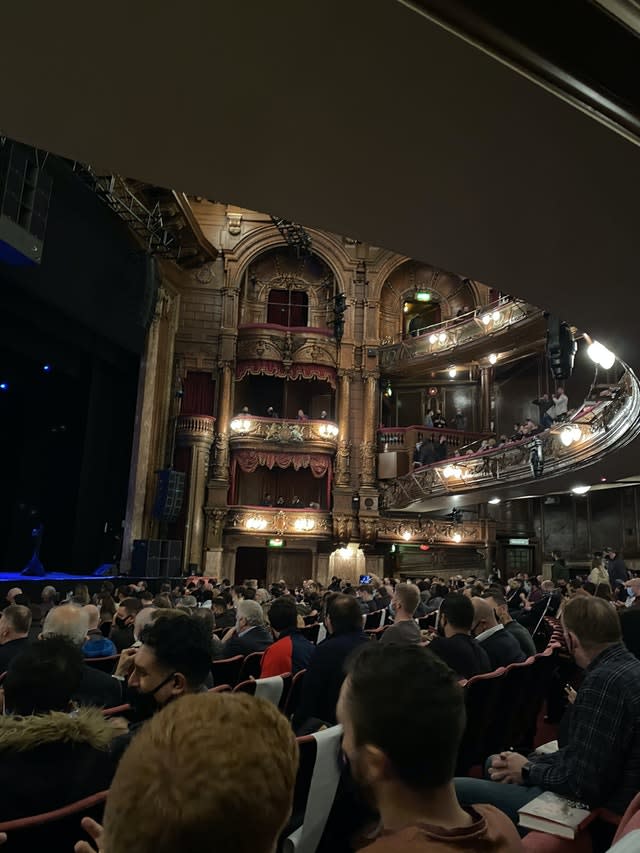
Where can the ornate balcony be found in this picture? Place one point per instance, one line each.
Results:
(249, 432)
(190, 428)
(274, 521)
(288, 352)
(598, 427)
(414, 531)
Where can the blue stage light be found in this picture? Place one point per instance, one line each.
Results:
(46, 368)
(4, 386)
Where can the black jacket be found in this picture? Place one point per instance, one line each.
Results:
(122, 637)
(98, 688)
(50, 761)
(502, 649)
(255, 640)
(322, 683)
(462, 653)
(9, 650)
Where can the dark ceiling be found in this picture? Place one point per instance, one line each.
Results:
(361, 118)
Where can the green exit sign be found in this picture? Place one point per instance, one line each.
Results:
(423, 296)
(275, 543)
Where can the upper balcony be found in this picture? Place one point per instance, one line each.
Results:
(293, 352)
(249, 432)
(507, 321)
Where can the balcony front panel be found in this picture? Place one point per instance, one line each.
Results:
(274, 521)
(250, 432)
(296, 352)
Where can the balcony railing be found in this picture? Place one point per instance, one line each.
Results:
(274, 521)
(440, 338)
(406, 438)
(598, 427)
(249, 431)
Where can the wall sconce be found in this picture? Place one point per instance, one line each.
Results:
(256, 522)
(457, 537)
(570, 434)
(442, 337)
(328, 430)
(452, 472)
(406, 535)
(304, 525)
(493, 358)
(241, 424)
(433, 339)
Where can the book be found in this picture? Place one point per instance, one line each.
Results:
(547, 748)
(554, 814)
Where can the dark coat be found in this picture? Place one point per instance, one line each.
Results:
(502, 649)
(98, 688)
(9, 650)
(256, 640)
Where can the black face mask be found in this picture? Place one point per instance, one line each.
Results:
(144, 705)
(120, 622)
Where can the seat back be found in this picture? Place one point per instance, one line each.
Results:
(311, 632)
(482, 695)
(221, 688)
(630, 820)
(316, 785)
(227, 670)
(512, 732)
(55, 831)
(107, 664)
(376, 633)
(274, 689)
(374, 620)
(251, 666)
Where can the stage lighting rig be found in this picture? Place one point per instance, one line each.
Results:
(294, 235)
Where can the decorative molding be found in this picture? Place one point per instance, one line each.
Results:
(252, 432)
(342, 465)
(368, 463)
(265, 342)
(269, 520)
(191, 429)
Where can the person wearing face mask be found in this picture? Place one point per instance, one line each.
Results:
(122, 630)
(174, 659)
(454, 643)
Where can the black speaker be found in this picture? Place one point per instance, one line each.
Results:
(561, 348)
(169, 495)
(156, 558)
(25, 191)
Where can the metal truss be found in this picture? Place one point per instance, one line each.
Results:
(294, 235)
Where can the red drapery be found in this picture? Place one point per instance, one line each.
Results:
(287, 307)
(249, 460)
(198, 391)
(264, 367)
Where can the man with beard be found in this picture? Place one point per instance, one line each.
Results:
(454, 643)
(393, 699)
(174, 659)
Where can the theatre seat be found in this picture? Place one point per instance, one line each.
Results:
(482, 695)
(227, 670)
(251, 666)
(106, 664)
(274, 689)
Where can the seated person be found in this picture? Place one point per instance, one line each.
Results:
(291, 651)
(501, 609)
(600, 763)
(122, 630)
(249, 634)
(15, 624)
(454, 643)
(206, 617)
(96, 645)
(364, 594)
(398, 705)
(164, 797)
(501, 646)
(223, 611)
(405, 628)
(50, 757)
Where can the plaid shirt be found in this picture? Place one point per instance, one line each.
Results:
(600, 765)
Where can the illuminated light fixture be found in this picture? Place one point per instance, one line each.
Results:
(457, 537)
(493, 358)
(304, 524)
(328, 430)
(46, 368)
(452, 472)
(494, 501)
(344, 553)
(570, 434)
(495, 316)
(4, 386)
(452, 372)
(422, 296)
(433, 339)
(406, 535)
(406, 308)
(442, 337)
(241, 424)
(581, 490)
(256, 522)
(601, 355)
(486, 319)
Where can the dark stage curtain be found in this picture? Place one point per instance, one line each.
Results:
(198, 396)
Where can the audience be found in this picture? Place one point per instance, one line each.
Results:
(365, 596)
(454, 643)
(15, 624)
(325, 674)
(600, 764)
(96, 688)
(97, 645)
(223, 611)
(292, 651)
(50, 754)
(49, 599)
(501, 646)
(122, 630)
(501, 609)
(242, 807)
(404, 629)
(250, 634)
(403, 715)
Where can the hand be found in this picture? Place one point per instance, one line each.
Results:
(96, 832)
(570, 693)
(230, 633)
(507, 768)
(120, 724)
(125, 664)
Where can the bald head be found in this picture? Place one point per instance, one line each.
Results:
(484, 615)
(143, 618)
(93, 615)
(68, 621)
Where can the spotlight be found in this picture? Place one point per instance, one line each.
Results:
(4, 386)
(601, 355)
(406, 535)
(452, 372)
(493, 358)
(580, 490)
(494, 501)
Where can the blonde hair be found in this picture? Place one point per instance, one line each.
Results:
(170, 794)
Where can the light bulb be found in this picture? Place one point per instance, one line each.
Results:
(442, 337)
(493, 358)
(452, 372)
(457, 537)
(581, 490)
(433, 339)
(486, 319)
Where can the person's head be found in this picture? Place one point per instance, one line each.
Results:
(15, 590)
(262, 595)
(343, 614)
(188, 601)
(633, 587)
(555, 555)
(207, 595)
(143, 618)
(393, 701)
(108, 608)
(146, 598)
(590, 625)
(15, 623)
(547, 587)
(43, 678)
(456, 615)
(174, 658)
(499, 604)
(162, 602)
(70, 622)
(365, 592)
(237, 594)
(206, 617)
(608, 552)
(81, 594)
(283, 614)
(249, 614)
(406, 599)
(483, 616)
(49, 595)
(219, 606)
(200, 806)
(127, 611)
(250, 593)
(93, 614)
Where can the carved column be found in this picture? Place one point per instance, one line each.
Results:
(213, 557)
(368, 448)
(225, 409)
(344, 445)
(486, 393)
(196, 433)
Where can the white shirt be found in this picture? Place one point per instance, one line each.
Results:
(486, 634)
(560, 406)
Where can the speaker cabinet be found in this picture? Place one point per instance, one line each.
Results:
(157, 558)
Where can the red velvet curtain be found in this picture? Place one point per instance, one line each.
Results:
(198, 389)
(287, 307)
